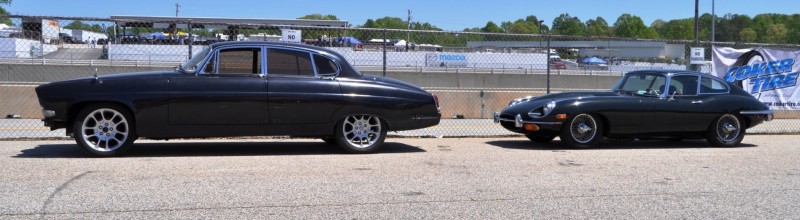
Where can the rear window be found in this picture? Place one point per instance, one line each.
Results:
(711, 85)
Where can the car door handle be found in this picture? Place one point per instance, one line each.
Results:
(697, 102)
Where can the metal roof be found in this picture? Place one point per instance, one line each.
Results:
(139, 21)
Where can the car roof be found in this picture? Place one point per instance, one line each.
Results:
(674, 72)
(268, 43)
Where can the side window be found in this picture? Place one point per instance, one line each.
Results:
(324, 65)
(683, 85)
(239, 61)
(210, 66)
(289, 62)
(709, 85)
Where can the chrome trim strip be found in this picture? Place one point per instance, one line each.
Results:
(424, 118)
(757, 112)
(532, 122)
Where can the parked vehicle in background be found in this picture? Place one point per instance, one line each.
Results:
(239, 89)
(644, 104)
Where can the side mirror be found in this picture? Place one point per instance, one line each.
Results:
(672, 97)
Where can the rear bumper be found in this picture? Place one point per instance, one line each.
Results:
(758, 116)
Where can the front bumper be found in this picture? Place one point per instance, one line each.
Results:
(519, 125)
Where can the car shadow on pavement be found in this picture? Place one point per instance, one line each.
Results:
(200, 149)
(524, 144)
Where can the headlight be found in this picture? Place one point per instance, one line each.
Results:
(542, 111)
(549, 107)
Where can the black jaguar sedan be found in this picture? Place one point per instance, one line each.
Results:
(671, 105)
(239, 89)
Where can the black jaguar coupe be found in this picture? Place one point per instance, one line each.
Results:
(239, 89)
(662, 104)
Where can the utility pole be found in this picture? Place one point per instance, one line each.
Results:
(696, 67)
(177, 8)
(713, 21)
(408, 29)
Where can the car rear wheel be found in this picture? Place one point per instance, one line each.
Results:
(540, 138)
(104, 130)
(581, 131)
(726, 131)
(360, 133)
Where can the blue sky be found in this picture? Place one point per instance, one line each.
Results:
(446, 14)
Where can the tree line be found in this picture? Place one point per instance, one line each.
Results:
(762, 28)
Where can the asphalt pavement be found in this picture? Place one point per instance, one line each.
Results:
(436, 178)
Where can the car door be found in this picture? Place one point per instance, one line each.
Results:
(681, 109)
(302, 87)
(231, 90)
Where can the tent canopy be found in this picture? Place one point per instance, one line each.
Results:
(593, 60)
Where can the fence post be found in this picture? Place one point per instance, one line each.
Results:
(548, 62)
(384, 52)
(189, 28)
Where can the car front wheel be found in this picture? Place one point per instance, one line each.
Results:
(582, 131)
(360, 133)
(726, 131)
(104, 130)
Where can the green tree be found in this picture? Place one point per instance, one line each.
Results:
(568, 25)
(730, 25)
(632, 26)
(598, 27)
(491, 27)
(386, 22)
(3, 11)
(78, 25)
(747, 35)
(776, 33)
(317, 16)
(678, 29)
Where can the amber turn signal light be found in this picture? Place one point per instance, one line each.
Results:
(531, 127)
(561, 116)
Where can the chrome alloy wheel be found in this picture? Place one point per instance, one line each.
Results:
(104, 130)
(728, 128)
(583, 128)
(361, 131)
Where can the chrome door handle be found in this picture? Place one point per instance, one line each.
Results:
(697, 102)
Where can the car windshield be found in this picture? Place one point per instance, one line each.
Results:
(191, 65)
(641, 84)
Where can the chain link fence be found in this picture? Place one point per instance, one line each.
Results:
(474, 74)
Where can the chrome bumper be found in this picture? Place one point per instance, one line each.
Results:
(768, 113)
(518, 122)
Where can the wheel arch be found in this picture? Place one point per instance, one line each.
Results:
(77, 107)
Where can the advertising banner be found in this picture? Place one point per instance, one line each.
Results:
(768, 74)
(446, 60)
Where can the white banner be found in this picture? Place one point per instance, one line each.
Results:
(768, 74)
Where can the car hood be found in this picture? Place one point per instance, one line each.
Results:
(135, 75)
(536, 102)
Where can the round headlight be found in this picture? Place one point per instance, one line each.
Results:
(549, 108)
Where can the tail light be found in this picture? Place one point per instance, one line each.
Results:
(436, 100)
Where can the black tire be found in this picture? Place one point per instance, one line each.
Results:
(360, 128)
(104, 130)
(582, 131)
(745, 59)
(721, 132)
(329, 140)
(540, 138)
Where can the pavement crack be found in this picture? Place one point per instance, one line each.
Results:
(58, 190)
